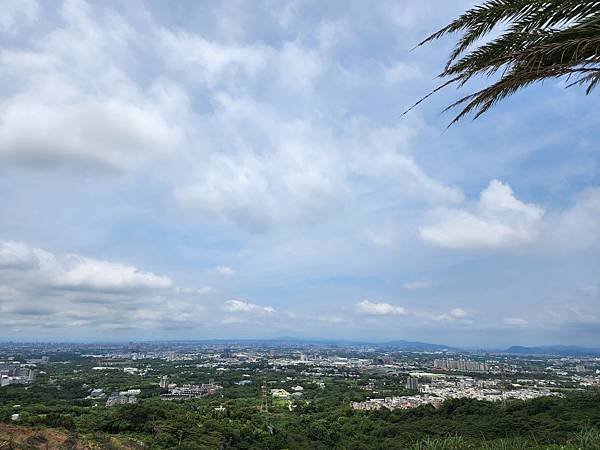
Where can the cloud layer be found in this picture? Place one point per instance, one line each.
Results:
(242, 170)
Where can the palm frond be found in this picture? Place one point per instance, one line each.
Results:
(540, 39)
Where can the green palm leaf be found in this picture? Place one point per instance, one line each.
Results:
(540, 39)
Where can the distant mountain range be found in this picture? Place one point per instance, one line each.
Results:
(416, 346)
(558, 350)
(413, 346)
(409, 346)
(398, 345)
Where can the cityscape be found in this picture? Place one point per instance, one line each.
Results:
(274, 380)
(300, 225)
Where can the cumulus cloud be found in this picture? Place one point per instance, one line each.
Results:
(17, 255)
(452, 315)
(239, 306)
(107, 133)
(77, 272)
(222, 271)
(369, 308)
(498, 220)
(63, 112)
(41, 290)
(86, 273)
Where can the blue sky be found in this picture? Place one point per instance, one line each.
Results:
(241, 169)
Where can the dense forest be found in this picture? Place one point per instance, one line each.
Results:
(570, 422)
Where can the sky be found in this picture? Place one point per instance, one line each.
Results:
(242, 169)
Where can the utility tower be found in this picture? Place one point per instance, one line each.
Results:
(264, 400)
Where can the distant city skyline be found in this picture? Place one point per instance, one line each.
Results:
(199, 170)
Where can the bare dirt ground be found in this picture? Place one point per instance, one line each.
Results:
(15, 437)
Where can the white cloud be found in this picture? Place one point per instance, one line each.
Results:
(75, 271)
(16, 13)
(400, 72)
(76, 98)
(578, 226)
(443, 318)
(222, 271)
(86, 273)
(286, 12)
(239, 306)
(498, 220)
(516, 321)
(77, 291)
(293, 66)
(369, 308)
(16, 255)
(212, 61)
(277, 170)
(452, 315)
(298, 67)
(107, 133)
(288, 129)
(71, 104)
(458, 313)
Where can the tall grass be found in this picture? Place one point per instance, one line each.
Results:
(585, 439)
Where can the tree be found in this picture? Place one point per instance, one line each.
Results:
(540, 39)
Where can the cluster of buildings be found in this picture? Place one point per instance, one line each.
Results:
(460, 365)
(15, 373)
(282, 393)
(405, 402)
(435, 388)
(187, 391)
(490, 390)
(43, 360)
(190, 392)
(123, 397)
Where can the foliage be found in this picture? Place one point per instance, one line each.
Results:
(540, 39)
(321, 419)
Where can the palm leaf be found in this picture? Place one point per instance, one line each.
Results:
(540, 39)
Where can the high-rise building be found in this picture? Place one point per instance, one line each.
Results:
(164, 382)
(412, 383)
(460, 364)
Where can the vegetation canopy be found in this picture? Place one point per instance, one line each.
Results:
(540, 39)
